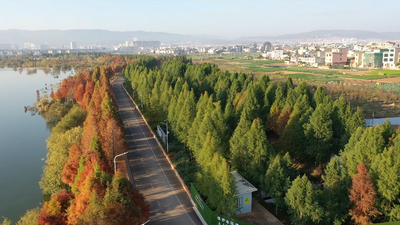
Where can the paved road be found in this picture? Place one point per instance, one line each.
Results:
(153, 176)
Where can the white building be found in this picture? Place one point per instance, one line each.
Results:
(311, 60)
(391, 58)
(277, 54)
(73, 45)
(29, 46)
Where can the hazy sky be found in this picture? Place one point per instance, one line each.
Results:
(224, 18)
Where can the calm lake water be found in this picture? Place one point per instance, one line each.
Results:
(22, 141)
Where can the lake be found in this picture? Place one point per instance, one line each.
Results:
(22, 140)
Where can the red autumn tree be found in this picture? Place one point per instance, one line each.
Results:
(79, 91)
(54, 211)
(71, 166)
(58, 96)
(89, 88)
(52, 94)
(363, 196)
(113, 140)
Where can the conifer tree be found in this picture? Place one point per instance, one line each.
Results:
(335, 194)
(318, 132)
(259, 152)
(278, 179)
(186, 117)
(363, 197)
(238, 144)
(251, 103)
(384, 173)
(319, 95)
(302, 202)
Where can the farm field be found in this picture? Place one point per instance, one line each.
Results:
(276, 69)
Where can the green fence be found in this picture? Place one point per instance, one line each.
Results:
(211, 217)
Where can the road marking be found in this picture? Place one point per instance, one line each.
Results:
(148, 143)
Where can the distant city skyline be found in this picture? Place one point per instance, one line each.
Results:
(219, 18)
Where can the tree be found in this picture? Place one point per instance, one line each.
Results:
(259, 152)
(55, 210)
(186, 116)
(318, 132)
(251, 103)
(384, 173)
(238, 144)
(201, 124)
(363, 197)
(31, 217)
(214, 175)
(335, 195)
(58, 146)
(113, 140)
(301, 199)
(6, 221)
(319, 95)
(293, 135)
(278, 179)
(71, 165)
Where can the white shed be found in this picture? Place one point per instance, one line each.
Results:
(243, 191)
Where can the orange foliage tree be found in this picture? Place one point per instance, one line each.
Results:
(363, 196)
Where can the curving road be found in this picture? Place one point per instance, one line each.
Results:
(153, 176)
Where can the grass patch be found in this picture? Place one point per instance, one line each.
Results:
(307, 70)
(264, 69)
(387, 72)
(313, 77)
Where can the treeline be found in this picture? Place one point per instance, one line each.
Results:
(77, 61)
(222, 121)
(79, 177)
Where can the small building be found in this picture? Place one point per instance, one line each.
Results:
(374, 59)
(244, 189)
(391, 58)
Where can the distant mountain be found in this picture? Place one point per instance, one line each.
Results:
(327, 34)
(87, 37)
(56, 38)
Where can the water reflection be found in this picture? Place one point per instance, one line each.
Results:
(23, 139)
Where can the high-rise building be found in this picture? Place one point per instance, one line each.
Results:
(29, 45)
(44, 46)
(73, 45)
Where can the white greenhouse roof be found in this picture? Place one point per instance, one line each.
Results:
(242, 185)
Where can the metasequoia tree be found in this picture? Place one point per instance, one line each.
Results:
(363, 197)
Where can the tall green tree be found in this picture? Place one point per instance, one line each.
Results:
(319, 134)
(335, 195)
(214, 175)
(238, 144)
(259, 151)
(278, 179)
(186, 117)
(302, 202)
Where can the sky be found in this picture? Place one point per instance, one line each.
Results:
(217, 18)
